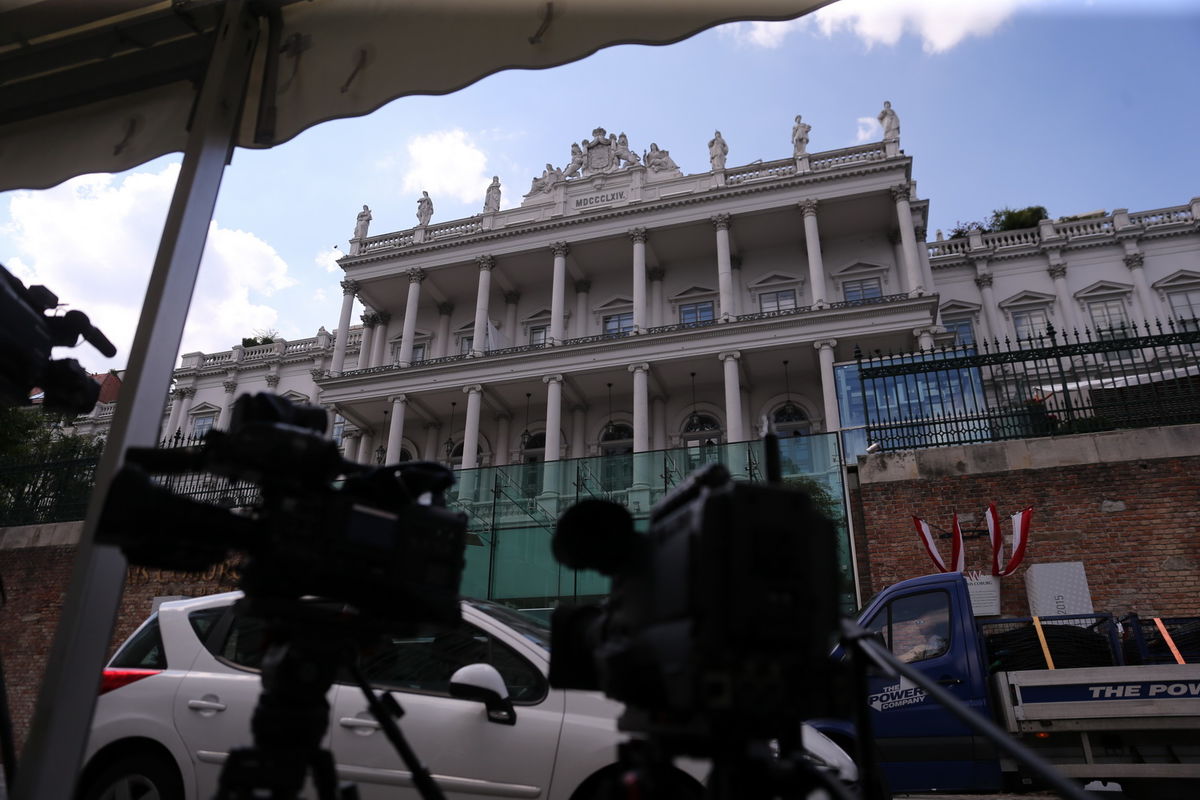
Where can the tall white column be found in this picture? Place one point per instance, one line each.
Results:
(369, 321)
(503, 446)
(908, 240)
(379, 343)
(558, 288)
(470, 458)
(553, 430)
(1141, 289)
(350, 441)
(366, 446)
(924, 338)
(443, 331)
(349, 289)
(479, 342)
(1070, 321)
(898, 255)
(230, 387)
(655, 276)
(816, 265)
(638, 237)
(733, 397)
(510, 317)
(409, 331)
(641, 407)
(747, 422)
(991, 313)
(828, 385)
(183, 396)
(724, 266)
(582, 311)
(430, 449)
(395, 440)
(658, 414)
(923, 252)
(578, 431)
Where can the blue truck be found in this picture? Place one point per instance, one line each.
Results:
(1089, 694)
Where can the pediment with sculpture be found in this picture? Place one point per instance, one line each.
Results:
(603, 154)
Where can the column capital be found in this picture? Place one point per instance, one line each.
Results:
(638, 235)
(583, 286)
(352, 434)
(548, 379)
(1058, 270)
(1134, 260)
(473, 388)
(383, 317)
(901, 192)
(445, 308)
(639, 367)
(416, 275)
(655, 273)
(825, 344)
(921, 232)
(317, 373)
(984, 280)
(560, 249)
(809, 207)
(272, 381)
(720, 221)
(369, 319)
(229, 386)
(510, 298)
(728, 354)
(185, 391)
(485, 263)
(402, 399)
(349, 287)
(929, 330)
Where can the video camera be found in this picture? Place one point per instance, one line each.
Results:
(26, 338)
(377, 538)
(721, 618)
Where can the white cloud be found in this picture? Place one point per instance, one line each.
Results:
(92, 240)
(941, 24)
(327, 259)
(869, 130)
(320, 296)
(446, 163)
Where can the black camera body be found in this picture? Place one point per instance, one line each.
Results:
(721, 618)
(377, 538)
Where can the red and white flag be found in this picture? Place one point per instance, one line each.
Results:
(1020, 540)
(957, 555)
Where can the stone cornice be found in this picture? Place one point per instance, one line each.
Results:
(855, 169)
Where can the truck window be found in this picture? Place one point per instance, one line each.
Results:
(915, 627)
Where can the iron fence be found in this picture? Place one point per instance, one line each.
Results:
(1047, 385)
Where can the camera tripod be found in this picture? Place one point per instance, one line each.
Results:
(312, 646)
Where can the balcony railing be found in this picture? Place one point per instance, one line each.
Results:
(1048, 385)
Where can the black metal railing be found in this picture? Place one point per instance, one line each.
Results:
(1049, 384)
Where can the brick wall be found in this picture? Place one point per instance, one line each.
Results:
(35, 582)
(1132, 518)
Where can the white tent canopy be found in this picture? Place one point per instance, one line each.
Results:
(105, 85)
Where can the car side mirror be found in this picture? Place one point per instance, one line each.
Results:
(482, 682)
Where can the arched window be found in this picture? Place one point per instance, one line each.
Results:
(616, 468)
(795, 446)
(533, 455)
(456, 455)
(702, 439)
(790, 420)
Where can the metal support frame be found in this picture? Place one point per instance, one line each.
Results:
(65, 704)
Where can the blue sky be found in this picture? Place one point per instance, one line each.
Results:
(1074, 105)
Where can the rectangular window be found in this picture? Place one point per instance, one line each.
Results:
(777, 301)
(964, 332)
(1185, 308)
(464, 344)
(418, 353)
(537, 335)
(694, 313)
(1029, 324)
(1109, 319)
(202, 425)
(618, 323)
(864, 289)
(339, 429)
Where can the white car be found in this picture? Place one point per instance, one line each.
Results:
(179, 694)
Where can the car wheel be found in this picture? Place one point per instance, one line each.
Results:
(136, 778)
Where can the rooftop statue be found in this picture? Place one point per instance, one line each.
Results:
(491, 199)
(550, 176)
(800, 137)
(576, 163)
(424, 209)
(890, 122)
(599, 153)
(360, 224)
(717, 151)
(621, 151)
(660, 160)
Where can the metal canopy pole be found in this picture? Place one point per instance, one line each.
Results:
(65, 704)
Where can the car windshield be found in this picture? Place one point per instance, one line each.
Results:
(531, 628)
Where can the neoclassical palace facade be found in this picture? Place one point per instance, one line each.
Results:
(627, 322)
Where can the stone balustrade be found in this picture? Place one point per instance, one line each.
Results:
(212, 359)
(847, 155)
(451, 230)
(258, 351)
(1072, 229)
(766, 170)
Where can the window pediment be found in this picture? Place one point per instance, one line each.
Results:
(959, 308)
(1180, 279)
(860, 269)
(1103, 289)
(1027, 299)
(693, 293)
(776, 280)
(201, 409)
(294, 396)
